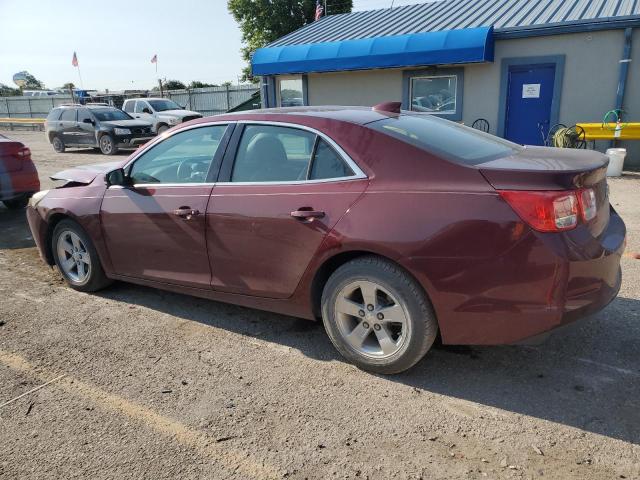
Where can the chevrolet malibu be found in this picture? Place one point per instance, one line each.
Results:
(391, 227)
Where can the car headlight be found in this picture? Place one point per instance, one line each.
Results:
(37, 197)
(122, 131)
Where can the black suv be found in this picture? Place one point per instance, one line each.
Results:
(99, 126)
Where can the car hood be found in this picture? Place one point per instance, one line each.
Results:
(127, 123)
(85, 174)
(178, 113)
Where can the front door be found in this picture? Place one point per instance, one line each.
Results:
(86, 128)
(155, 228)
(284, 191)
(529, 99)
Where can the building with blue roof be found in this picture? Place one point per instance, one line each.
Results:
(521, 65)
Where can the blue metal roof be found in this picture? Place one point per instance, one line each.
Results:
(509, 18)
(430, 48)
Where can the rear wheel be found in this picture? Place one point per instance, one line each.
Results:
(76, 258)
(108, 145)
(377, 315)
(17, 203)
(58, 144)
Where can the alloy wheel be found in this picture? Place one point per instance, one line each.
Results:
(106, 145)
(74, 257)
(371, 320)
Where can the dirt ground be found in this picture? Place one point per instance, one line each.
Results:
(149, 384)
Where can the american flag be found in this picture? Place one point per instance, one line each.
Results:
(74, 60)
(155, 58)
(319, 10)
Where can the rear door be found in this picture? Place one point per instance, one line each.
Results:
(529, 99)
(155, 229)
(281, 190)
(67, 126)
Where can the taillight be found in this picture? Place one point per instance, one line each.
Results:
(544, 211)
(588, 204)
(552, 211)
(24, 152)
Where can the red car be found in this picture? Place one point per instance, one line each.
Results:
(18, 175)
(390, 226)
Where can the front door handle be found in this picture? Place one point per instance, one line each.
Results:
(186, 212)
(307, 214)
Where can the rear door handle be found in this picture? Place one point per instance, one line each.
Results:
(186, 212)
(304, 214)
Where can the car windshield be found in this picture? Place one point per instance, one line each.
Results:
(108, 114)
(162, 105)
(446, 138)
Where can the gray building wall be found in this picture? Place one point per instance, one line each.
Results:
(589, 86)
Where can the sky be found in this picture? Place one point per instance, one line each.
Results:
(115, 41)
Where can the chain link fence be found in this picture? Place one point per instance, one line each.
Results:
(207, 101)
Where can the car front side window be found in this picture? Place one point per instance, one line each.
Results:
(184, 157)
(140, 106)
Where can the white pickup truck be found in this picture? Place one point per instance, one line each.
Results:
(162, 113)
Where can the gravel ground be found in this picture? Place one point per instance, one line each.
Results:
(159, 385)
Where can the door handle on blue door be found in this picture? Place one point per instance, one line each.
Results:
(307, 213)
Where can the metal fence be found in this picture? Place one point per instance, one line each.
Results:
(208, 101)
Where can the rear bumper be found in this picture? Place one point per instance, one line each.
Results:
(537, 284)
(17, 184)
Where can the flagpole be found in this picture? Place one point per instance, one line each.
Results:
(80, 75)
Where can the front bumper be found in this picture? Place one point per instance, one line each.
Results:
(131, 141)
(39, 232)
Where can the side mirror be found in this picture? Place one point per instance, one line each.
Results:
(146, 110)
(88, 120)
(116, 177)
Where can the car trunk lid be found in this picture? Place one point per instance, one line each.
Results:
(554, 169)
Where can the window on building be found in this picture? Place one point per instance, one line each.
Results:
(434, 91)
(435, 94)
(290, 92)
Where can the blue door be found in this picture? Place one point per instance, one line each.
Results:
(529, 98)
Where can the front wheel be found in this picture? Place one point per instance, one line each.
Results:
(377, 315)
(162, 129)
(76, 258)
(108, 145)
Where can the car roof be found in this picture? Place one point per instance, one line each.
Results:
(357, 115)
(88, 105)
(146, 98)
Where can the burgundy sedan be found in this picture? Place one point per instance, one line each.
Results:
(18, 175)
(388, 225)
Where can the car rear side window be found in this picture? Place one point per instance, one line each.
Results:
(448, 139)
(54, 114)
(273, 154)
(327, 164)
(69, 115)
(128, 107)
(269, 153)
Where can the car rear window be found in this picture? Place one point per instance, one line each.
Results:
(446, 138)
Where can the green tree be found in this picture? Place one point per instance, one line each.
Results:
(7, 91)
(174, 85)
(263, 21)
(198, 84)
(68, 85)
(33, 83)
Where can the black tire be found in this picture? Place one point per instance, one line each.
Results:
(58, 144)
(17, 203)
(96, 278)
(416, 307)
(162, 129)
(108, 145)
